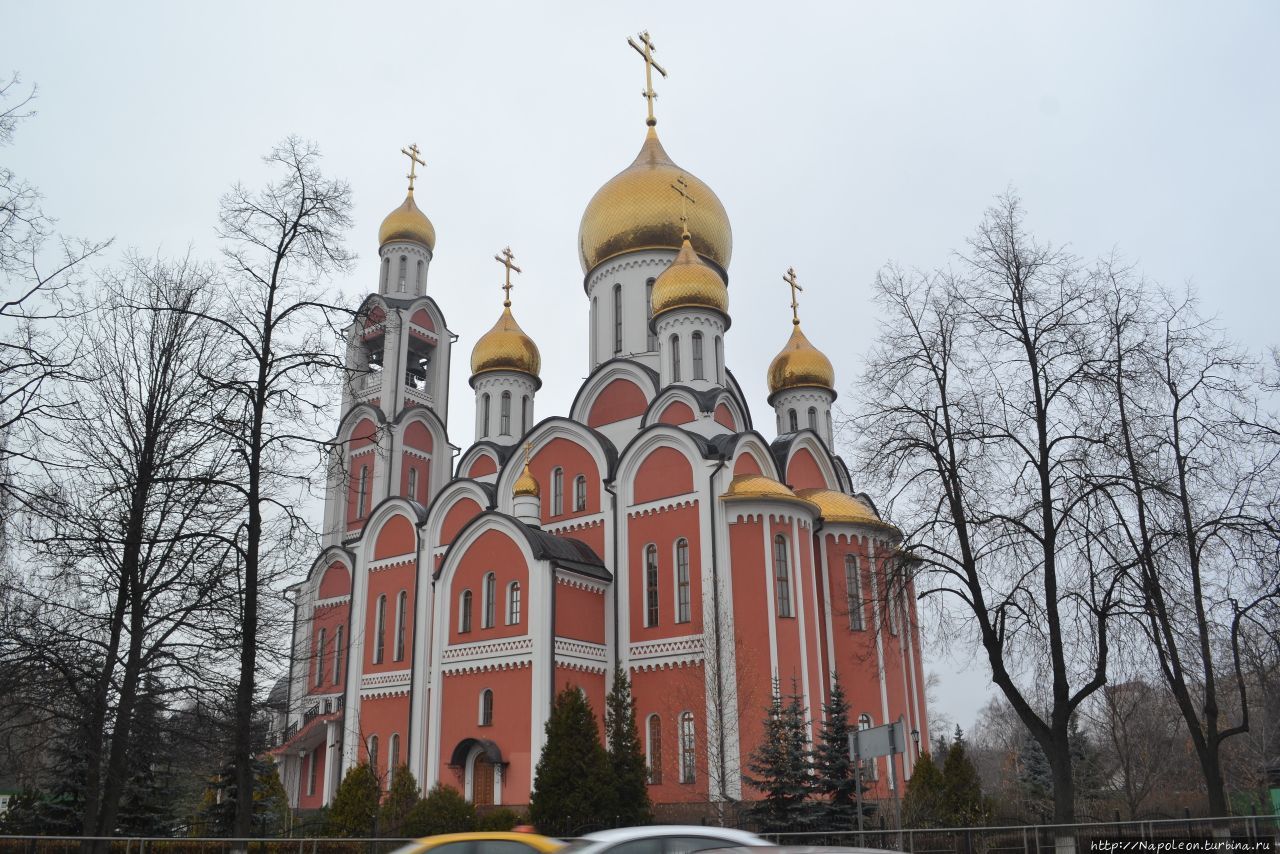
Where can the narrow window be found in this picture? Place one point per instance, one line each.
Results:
(782, 576)
(719, 360)
(853, 589)
(652, 341)
(504, 427)
(484, 415)
(402, 613)
(813, 419)
(386, 272)
(675, 358)
(362, 501)
(617, 319)
(373, 754)
(393, 757)
(687, 745)
(697, 357)
(464, 613)
(379, 631)
(337, 656)
(830, 428)
(682, 580)
(404, 270)
(792, 423)
(421, 275)
(311, 771)
(413, 483)
(557, 492)
(524, 414)
(654, 758)
(513, 603)
(580, 493)
(651, 585)
(891, 605)
(595, 319)
(486, 617)
(320, 639)
(486, 707)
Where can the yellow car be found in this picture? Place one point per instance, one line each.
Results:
(484, 842)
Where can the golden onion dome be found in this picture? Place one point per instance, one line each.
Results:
(635, 210)
(689, 283)
(839, 508)
(800, 365)
(759, 487)
(407, 222)
(525, 484)
(506, 347)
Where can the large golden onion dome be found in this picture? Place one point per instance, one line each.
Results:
(506, 347)
(839, 508)
(758, 487)
(407, 222)
(800, 365)
(635, 209)
(689, 283)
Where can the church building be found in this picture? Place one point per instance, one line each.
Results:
(655, 526)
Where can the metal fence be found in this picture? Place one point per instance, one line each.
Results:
(198, 845)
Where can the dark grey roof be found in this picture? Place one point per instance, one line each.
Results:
(565, 552)
(279, 696)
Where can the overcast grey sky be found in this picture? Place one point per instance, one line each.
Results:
(838, 136)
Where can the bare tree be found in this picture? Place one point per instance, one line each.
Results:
(976, 410)
(1138, 731)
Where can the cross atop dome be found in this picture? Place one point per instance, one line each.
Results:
(505, 259)
(415, 160)
(681, 186)
(650, 65)
(790, 279)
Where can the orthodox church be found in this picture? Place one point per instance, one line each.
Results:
(653, 527)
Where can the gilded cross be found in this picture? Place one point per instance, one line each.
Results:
(528, 446)
(649, 66)
(505, 260)
(415, 160)
(681, 186)
(790, 279)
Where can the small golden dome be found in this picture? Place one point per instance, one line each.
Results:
(838, 508)
(800, 365)
(635, 209)
(757, 486)
(506, 347)
(525, 483)
(689, 283)
(407, 222)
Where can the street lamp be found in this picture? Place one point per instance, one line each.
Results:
(915, 736)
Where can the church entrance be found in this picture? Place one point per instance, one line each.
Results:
(482, 781)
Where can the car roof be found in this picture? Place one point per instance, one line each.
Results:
(623, 833)
(546, 843)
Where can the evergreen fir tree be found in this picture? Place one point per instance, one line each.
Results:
(626, 756)
(355, 804)
(400, 801)
(924, 804)
(834, 772)
(962, 790)
(147, 802)
(270, 802)
(61, 811)
(1035, 779)
(572, 792)
(780, 766)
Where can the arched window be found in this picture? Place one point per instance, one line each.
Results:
(513, 603)
(490, 593)
(617, 319)
(653, 749)
(595, 319)
(580, 493)
(813, 419)
(781, 576)
(853, 590)
(486, 707)
(373, 754)
(320, 639)
(698, 373)
(402, 613)
(557, 492)
(504, 427)
(524, 414)
(404, 272)
(413, 482)
(422, 269)
(719, 360)
(651, 585)
(464, 612)
(484, 415)
(312, 761)
(651, 343)
(362, 501)
(688, 759)
(379, 631)
(682, 580)
(792, 423)
(393, 756)
(891, 603)
(831, 433)
(675, 358)
(337, 656)
(386, 272)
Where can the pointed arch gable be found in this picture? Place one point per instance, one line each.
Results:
(598, 449)
(619, 400)
(643, 378)
(336, 581)
(460, 512)
(641, 472)
(808, 464)
(396, 536)
(418, 436)
(423, 319)
(724, 417)
(482, 465)
(676, 412)
(750, 455)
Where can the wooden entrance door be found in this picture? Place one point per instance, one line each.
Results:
(482, 781)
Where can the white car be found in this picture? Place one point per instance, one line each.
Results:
(662, 839)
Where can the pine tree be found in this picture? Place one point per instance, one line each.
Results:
(962, 790)
(401, 798)
(626, 756)
(355, 804)
(834, 772)
(571, 787)
(780, 766)
(924, 804)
